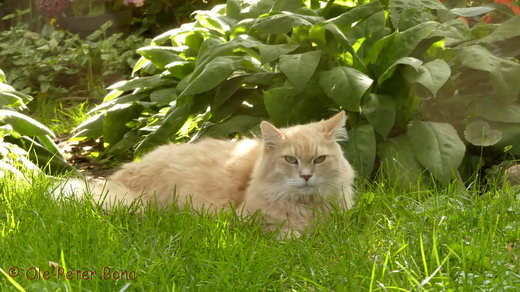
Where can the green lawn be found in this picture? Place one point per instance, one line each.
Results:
(392, 240)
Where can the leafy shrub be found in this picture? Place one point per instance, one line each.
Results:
(24, 142)
(55, 63)
(161, 15)
(418, 82)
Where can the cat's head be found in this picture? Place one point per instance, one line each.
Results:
(304, 158)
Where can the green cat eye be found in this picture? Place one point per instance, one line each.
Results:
(319, 159)
(291, 159)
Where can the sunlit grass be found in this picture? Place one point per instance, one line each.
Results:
(59, 118)
(395, 240)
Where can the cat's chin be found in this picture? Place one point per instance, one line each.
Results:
(306, 190)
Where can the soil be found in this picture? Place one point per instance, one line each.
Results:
(81, 156)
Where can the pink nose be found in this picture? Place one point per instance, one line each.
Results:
(306, 177)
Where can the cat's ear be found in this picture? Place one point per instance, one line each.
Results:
(334, 127)
(271, 135)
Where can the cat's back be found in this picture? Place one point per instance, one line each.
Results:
(211, 170)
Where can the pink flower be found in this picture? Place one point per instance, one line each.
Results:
(137, 3)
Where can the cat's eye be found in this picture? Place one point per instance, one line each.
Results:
(291, 159)
(319, 159)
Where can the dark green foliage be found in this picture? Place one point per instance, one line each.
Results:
(24, 142)
(418, 80)
(53, 63)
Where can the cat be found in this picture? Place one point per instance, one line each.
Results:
(288, 175)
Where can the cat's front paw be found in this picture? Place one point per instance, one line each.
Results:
(288, 233)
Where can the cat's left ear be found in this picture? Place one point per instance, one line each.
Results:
(334, 127)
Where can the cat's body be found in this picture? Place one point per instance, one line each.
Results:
(287, 175)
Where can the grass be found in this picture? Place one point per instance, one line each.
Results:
(59, 118)
(393, 240)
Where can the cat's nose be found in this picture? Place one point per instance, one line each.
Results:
(306, 177)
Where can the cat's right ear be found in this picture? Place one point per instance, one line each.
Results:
(271, 135)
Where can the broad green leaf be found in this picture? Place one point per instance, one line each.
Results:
(479, 133)
(212, 48)
(380, 111)
(226, 90)
(25, 98)
(49, 144)
(6, 87)
(165, 36)
(113, 94)
(398, 162)
(180, 69)
(280, 23)
(114, 122)
(130, 98)
(356, 14)
(494, 110)
(233, 9)
(287, 107)
(214, 73)
(472, 11)
(288, 5)
(412, 62)
(263, 78)
(269, 53)
(2, 76)
(505, 30)
(396, 7)
(403, 44)
(372, 57)
(438, 148)
(477, 57)
(345, 86)
(171, 124)
(233, 103)
(162, 56)
(163, 96)
(128, 142)
(253, 9)
(143, 82)
(432, 75)
(236, 124)
(505, 78)
(368, 30)
(24, 124)
(299, 68)
(46, 159)
(91, 128)
(413, 16)
(345, 43)
(510, 138)
(10, 100)
(455, 31)
(505, 74)
(360, 149)
(213, 21)
(141, 63)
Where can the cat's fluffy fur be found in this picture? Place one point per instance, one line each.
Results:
(287, 175)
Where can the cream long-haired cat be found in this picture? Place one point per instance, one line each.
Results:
(287, 175)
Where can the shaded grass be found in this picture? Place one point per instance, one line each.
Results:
(392, 240)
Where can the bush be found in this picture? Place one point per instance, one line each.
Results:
(418, 82)
(54, 63)
(24, 142)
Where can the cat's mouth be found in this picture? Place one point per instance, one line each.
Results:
(307, 186)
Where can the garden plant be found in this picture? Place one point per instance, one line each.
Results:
(424, 90)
